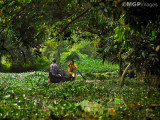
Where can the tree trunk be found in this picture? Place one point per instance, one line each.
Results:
(124, 74)
(120, 66)
(59, 55)
(0, 62)
(59, 50)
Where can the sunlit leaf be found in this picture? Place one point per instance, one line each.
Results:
(69, 20)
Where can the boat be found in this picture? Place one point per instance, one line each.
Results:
(63, 78)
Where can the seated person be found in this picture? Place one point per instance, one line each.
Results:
(56, 75)
(54, 68)
(72, 68)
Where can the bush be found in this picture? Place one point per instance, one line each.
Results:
(87, 47)
(38, 64)
(42, 63)
(71, 55)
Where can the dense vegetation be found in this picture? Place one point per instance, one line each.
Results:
(30, 96)
(107, 40)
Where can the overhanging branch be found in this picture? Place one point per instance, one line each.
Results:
(66, 26)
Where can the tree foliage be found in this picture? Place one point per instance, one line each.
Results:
(125, 33)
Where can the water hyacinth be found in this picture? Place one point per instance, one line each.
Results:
(21, 76)
(12, 91)
(78, 99)
(7, 96)
(13, 77)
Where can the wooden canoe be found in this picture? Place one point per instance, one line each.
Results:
(54, 79)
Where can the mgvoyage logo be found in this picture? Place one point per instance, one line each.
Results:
(139, 4)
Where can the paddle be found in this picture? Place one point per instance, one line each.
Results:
(81, 75)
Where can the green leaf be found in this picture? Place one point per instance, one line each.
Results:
(157, 48)
(121, 37)
(51, 35)
(105, 111)
(143, 54)
(153, 33)
(152, 38)
(126, 46)
(1, 2)
(115, 46)
(123, 45)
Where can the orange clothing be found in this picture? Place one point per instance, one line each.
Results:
(72, 69)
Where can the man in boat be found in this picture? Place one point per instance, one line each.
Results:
(56, 75)
(54, 69)
(72, 68)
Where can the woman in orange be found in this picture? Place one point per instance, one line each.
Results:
(72, 68)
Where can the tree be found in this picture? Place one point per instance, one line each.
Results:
(27, 24)
(24, 25)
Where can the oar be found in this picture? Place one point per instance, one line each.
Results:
(81, 75)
